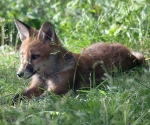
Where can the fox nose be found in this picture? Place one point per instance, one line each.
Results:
(20, 74)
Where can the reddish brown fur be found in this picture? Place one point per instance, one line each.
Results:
(58, 70)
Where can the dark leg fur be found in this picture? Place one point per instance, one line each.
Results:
(31, 92)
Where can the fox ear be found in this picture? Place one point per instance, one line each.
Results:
(23, 29)
(47, 32)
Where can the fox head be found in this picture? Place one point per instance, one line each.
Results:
(36, 47)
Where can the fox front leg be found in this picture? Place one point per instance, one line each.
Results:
(28, 94)
(36, 88)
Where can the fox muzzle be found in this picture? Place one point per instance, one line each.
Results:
(26, 72)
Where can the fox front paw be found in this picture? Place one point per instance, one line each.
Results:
(17, 99)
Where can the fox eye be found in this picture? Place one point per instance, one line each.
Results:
(35, 56)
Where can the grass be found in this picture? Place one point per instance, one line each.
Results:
(124, 101)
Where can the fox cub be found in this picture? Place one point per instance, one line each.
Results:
(53, 68)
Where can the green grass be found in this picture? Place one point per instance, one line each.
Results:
(126, 98)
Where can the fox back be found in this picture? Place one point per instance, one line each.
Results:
(54, 68)
(102, 58)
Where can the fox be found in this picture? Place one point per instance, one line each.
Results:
(52, 68)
